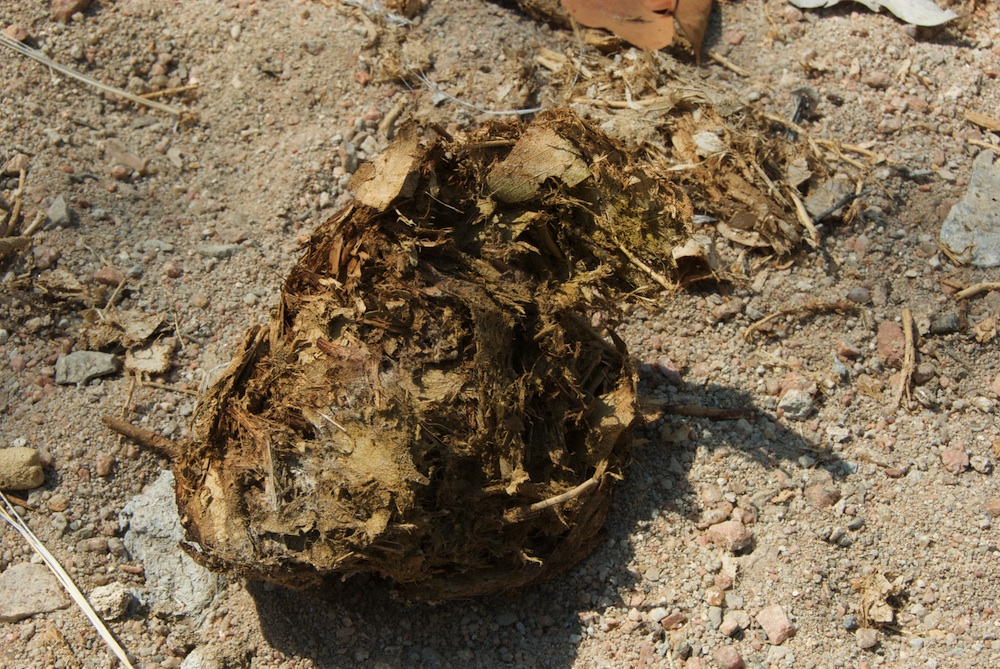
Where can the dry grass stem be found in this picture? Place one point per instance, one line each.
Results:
(726, 63)
(909, 361)
(977, 288)
(38, 56)
(13, 518)
(808, 308)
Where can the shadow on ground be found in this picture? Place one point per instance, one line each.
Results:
(359, 622)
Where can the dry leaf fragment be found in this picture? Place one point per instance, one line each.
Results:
(917, 12)
(648, 24)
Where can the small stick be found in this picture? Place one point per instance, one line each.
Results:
(168, 91)
(977, 288)
(982, 145)
(909, 361)
(653, 274)
(143, 437)
(804, 218)
(517, 515)
(385, 127)
(35, 224)
(808, 308)
(695, 411)
(164, 386)
(726, 63)
(983, 121)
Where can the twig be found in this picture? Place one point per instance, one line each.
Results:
(168, 91)
(38, 56)
(715, 413)
(808, 308)
(983, 145)
(164, 386)
(977, 288)
(983, 121)
(13, 518)
(143, 437)
(653, 274)
(517, 515)
(804, 218)
(726, 63)
(909, 361)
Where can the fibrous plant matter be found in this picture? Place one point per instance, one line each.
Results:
(439, 398)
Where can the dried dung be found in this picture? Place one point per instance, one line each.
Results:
(438, 398)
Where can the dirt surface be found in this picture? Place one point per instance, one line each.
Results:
(873, 529)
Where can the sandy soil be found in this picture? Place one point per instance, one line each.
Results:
(198, 220)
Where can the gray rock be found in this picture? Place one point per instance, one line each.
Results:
(20, 468)
(82, 366)
(827, 195)
(28, 589)
(204, 657)
(945, 323)
(111, 600)
(797, 404)
(867, 638)
(218, 250)
(859, 295)
(972, 227)
(58, 214)
(173, 579)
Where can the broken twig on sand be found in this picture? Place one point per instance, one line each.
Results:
(808, 308)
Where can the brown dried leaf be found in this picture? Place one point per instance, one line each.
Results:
(648, 24)
(632, 20)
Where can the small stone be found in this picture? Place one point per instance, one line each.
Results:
(28, 589)
(93, 545)
(109, 276)
(82, 366)
(981, 464)
(58, 214)
(776, 624)
(731, 535)
(714, 596)
(796, 404)
(657, 614)
(218, 250)
(867, 638)
(16, 32)
(728, 311)
(924, 372)
(250, 299)
(20, 468)
(859, 295)
(63, 10)
(105, 464)
(733, 622)
(984, 404)
(850, 622)
(57, 503)
(944, 323)
(878, 80)
(673, 621)
(172, 269)
(727, 657)
(993, 507)
(995, 385)
(822, 495)
(890, 343)
(955, 460)
(112, 601)
(199, 300)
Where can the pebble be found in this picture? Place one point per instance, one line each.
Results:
(867, 638)
(172, 269)
(731, 535)
(944, 323)
(796, 404)
(58, 214)
(924, 372)
(199, 300)
(859, 295)
(63, 10)
(995, 385)
(822, 495)
(727, 657)
(971, 227)
(105, 464)
(218, 250)
(112, 601)
(728, 310)
(733, 622)
(57, 503)
(981, 464)
(28, 589)
(109, 276)
(955, 460)
(673, 621)
(20, 468)
(890, 343)
(993, 507)
(776, 624)
(984, 404)
(80, 367)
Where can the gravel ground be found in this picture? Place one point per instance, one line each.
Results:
(780, 538)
